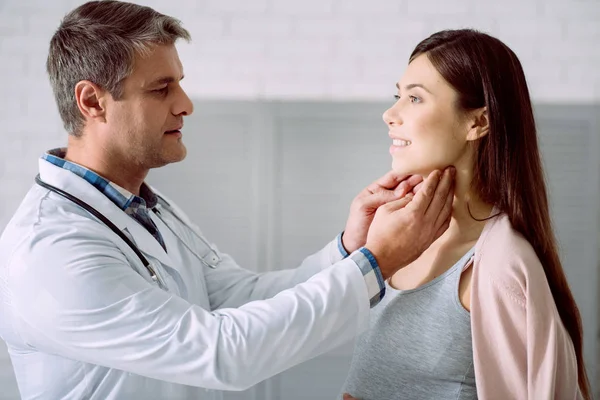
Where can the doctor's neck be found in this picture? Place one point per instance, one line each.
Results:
(113, 167)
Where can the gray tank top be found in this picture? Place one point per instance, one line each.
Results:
(418, 346)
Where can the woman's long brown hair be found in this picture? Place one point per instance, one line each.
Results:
(508, 168)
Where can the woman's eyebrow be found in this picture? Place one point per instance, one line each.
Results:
(413, 85)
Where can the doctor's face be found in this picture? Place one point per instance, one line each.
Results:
(144, 125)
(427, 128)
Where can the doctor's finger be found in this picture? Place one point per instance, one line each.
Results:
(398, 204)
(408, 185)
(425, 195)
(444, 188)
(376, 200)
(417, 187)
(446, 211)
(388, 181)
(442, 229)
(413, 181)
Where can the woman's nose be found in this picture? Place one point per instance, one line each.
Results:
(391, 117)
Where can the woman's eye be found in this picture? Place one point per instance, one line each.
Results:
(397, 97)
(414, 99)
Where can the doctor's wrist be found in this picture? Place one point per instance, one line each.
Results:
(371, 274)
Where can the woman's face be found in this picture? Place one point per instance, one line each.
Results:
(427, 128)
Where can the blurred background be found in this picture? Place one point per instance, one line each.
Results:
(287, 127)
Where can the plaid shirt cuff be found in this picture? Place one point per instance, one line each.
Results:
(340, 246)
(372, 274)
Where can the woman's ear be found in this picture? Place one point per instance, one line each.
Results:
(479, 124)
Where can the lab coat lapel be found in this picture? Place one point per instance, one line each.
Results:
(146, 242)
(80, 188)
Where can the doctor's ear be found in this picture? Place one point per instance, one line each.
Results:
(478, 124)
(91, 100)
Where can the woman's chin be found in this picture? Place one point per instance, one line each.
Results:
(406, 170)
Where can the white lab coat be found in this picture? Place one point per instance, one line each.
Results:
(83, 319)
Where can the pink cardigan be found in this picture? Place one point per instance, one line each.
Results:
(521, 349)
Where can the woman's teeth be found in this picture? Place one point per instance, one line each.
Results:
(399, 142)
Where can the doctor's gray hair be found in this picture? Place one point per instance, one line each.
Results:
(98, 41)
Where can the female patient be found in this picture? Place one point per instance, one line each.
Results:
(486, 311)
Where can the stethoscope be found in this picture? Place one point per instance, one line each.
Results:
(211, 259)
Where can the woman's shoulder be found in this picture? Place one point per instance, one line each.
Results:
(499, 239)
(506, 257)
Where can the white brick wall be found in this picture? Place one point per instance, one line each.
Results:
(311, 49)
(326, 49)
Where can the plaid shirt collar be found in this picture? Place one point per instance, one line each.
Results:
(124, 199)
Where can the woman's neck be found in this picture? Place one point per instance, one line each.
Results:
(468, 211)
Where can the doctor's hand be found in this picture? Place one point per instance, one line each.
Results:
(348, 397)
(388, 188)
(403, 229)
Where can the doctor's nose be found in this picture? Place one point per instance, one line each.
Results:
(183, 105)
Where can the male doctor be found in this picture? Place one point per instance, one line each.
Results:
(108, 291)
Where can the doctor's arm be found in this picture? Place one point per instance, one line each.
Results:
(79, 298)
(75, 295)
(231, 286)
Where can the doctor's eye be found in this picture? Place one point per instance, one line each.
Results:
(162, 91)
